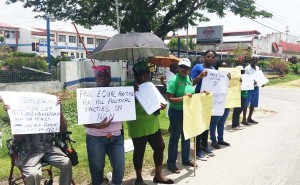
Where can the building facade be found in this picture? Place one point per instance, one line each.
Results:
(63, 43)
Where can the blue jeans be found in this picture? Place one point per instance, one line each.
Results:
(218, 122)
(97, 148)
(176, 129)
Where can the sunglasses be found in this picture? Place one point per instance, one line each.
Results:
(184, 67)
(210, 57)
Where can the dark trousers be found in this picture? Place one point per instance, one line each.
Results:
(157, 144)
(201, 141)
(236, 114)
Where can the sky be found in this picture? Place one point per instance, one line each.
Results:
(285, 13)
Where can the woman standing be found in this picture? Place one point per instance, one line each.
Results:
(179, 85)
(146, 129)
(105, 138)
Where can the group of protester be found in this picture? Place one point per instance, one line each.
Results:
(106, 138)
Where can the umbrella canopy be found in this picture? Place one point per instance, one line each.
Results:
(161, 61)
(130, 46)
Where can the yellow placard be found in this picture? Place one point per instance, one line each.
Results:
(233, 98)
(197, 112)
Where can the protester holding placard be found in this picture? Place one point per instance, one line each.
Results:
(197, 73)
(253, 95)
(180, 85)
(238, 110)
(105, 138)
(146, 129)
(32, 149)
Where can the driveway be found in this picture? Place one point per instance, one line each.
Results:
(264, 154)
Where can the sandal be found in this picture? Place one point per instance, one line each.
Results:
(252, 121)
(173, 169)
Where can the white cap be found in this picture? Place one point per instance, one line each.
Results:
(184, 62)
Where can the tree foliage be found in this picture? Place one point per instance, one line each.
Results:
(158, 16)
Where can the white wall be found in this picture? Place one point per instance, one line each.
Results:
(80, 74)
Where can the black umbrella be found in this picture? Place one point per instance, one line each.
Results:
(130, 46)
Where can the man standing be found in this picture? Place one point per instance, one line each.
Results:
(253, 95)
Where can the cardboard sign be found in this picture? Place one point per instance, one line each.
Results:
(96, 104)
(32, 113)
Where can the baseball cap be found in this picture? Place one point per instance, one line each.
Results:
(184, 62)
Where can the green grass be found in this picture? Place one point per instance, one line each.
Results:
(282, 79)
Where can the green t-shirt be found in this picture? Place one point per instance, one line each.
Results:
(180, 86)
(144, 124)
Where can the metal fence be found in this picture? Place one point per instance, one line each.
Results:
(25, 74)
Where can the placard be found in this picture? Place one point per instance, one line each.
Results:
(247, 82)
(218, 107)
(32, 112)
(96, 104)
(260, 78)
(149, 97)
(215, 81)
(197, 112)
(233, 97)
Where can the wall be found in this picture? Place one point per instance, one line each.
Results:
(80, 74)
(45, 87)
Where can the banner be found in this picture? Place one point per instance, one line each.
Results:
(196, 114)
(32, 112)
(96, 104)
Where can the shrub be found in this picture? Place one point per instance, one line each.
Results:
(279, 65)
(295, 69)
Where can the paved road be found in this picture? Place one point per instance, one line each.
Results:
(264, 154)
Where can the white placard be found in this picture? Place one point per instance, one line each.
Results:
(32, 112)
(95, 104)
(219, 100)
(149, 97)
(128, 145)
(215, 81)
(260, 78)
(247, 82)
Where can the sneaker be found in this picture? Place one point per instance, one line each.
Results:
(201, 156)
(215, 145)
(208, 152)
(223, 143)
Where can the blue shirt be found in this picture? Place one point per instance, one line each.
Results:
(197, 69)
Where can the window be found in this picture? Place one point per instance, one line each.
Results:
(10, 34)
(77, 55)
(90, 41)
(72, 39)
(61, 38)
(64, 54)
(52, 37)
(98, 41)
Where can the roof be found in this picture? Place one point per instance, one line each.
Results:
(289, 47)
(4, 25)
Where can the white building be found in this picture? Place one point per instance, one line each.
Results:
(63, 43)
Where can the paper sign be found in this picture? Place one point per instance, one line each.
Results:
(149, 97)
(32, 113)
(128, 145)
(215, 81)
(260, 78)
(247, 82)
(196, 114)
(233, 98)
(218, 105)
(95, 104)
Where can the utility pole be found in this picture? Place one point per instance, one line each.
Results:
(117, 13)
(48, 43)
(287, 33)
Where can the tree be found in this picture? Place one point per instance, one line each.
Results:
(158, 16)
(241, 54)
(173, 44)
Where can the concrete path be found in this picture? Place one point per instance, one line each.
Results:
(264, 154)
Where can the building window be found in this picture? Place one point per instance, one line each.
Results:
(52, 37)
(61, 38)
(82, 38)
(10, 34)
(90, 41)
(72, 39)
(77, 55)
(64, 54)
(98, 41)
